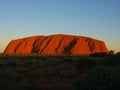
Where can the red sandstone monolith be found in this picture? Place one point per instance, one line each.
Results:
(56, 45)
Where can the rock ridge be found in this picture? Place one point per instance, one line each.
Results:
(56, 44)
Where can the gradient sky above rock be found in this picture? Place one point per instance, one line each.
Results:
(98, 19)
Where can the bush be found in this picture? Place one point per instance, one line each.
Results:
(102, 54)
(111, 52)
(9, 80)
(101, 78)
(85, 64)
(118, 53)
(112, 60)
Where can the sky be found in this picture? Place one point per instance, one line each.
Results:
(99, 19)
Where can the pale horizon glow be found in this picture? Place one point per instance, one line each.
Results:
(91, 18)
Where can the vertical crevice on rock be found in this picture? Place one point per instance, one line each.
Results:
(46, 45)
(17, 47)
(67, 50)
(56, 50)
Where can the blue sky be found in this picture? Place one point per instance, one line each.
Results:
(98, 19)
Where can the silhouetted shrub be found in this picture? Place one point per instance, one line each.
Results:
(10, 80)
(118, 53)
(112, 60)
(101, 78)
(111, 52)
(85, 64)
(67, 70)
(99, 54)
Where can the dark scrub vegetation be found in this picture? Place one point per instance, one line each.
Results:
(101, 72)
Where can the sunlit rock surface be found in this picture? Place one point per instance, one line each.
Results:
(56, 45)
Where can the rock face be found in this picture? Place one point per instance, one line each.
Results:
(56, 44)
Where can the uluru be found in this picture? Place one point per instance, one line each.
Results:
(57, 44)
